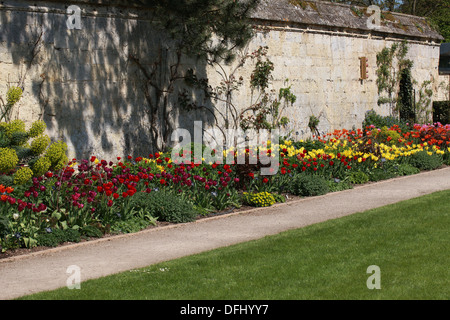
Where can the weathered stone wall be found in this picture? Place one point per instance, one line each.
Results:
(324, 71)
(443, 88)
(90, 94)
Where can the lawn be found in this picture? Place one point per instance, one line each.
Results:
(408, 241)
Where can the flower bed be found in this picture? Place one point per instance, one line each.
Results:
(94, 197)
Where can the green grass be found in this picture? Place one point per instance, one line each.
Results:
(409, 241)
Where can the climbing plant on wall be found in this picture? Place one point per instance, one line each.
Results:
(392, 67)
(266, 110)
(405, 103)
(200, 29)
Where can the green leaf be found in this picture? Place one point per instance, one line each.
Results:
(63, 225)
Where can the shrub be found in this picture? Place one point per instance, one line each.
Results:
(446, 158)
(37, 128)
(23, 175)
(309, 144)
(41, 166)
(39, 144)
(15, 150)
(8, 159)
(405, 169)
(56, 153)
(426, 161)
(164, 205)
(441, 112)
(358, 177)
(372, 118)
(379, 174)
(260, 199)
(386, 136)
(338, 185)
(132, 225)
(54, 237)
(13, 95)
(309, 185)
(8, 128)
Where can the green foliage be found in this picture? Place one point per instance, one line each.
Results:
(313, 124)
(260, 199)
(13, 95)
(309, 144)
(19, 138)
(164, 206)
(37, 128)
(441, 112)
(372, 118)
(381, 173)
(425, 161)
(56, 153)
(446, 158)
(131, 225)
(8, 128)
(405, 169)
(23, 175)
(385, 135)
(15, 149)
(358, 177)
(8, 160)
(261, 74)
(405, 95)
(338, 185)
(55, 237)
(193, 25)
(391, 66)
(39, 144)
(41, 166)
(266, 112)
(309, 185)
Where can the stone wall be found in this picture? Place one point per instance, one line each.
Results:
(84, 85)
(443, 88)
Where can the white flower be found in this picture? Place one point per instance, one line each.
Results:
(16, 216)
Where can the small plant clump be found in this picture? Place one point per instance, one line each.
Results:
(260, 199)
(40, 155)
(358, 177)
(164, 206)
(309, 185)
(425, 160)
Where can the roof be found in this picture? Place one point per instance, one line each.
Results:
(313, 13)
(335, 15)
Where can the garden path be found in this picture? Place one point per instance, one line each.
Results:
(47, 270)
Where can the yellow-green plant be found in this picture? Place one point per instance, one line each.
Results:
(386, 135)
(41, 166)
(39, 144)
(8, 160)
(260, 199)
(56, 153)
(37, 128)
(12, 97)
(39, 154)
(23, 175)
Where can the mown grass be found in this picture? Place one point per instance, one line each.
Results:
(409, 241)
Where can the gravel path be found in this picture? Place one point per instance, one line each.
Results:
(47, 270)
